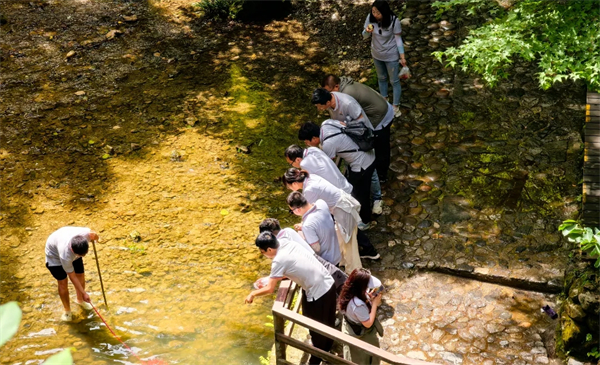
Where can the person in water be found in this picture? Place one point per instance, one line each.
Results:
(65, 249)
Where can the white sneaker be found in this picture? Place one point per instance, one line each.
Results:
(66, 317)
(85, 305)
(377, 209)
(364, 226)
(397, 111)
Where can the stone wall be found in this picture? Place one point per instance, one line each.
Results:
(580, 311)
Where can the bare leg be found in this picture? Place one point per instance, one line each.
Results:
(81, 278)
(63, 292)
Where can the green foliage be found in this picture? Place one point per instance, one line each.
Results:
(562, 37)
(472, 7)
(588, 239)
(136, 248)
(594, 353)
(62, 358)
(10, 319)
(220, 9)
(265, 360)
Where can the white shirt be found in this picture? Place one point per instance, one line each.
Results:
(318, 226)
(58, 247)
(303, 268)
(359, 160)
(348, 109)
(317, 162)
(289, 235)
(315, 188)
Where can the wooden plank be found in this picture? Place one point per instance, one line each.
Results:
(591, 150)
(591, 199)
(591, 179)
(587, 191)
(592, 139)
(593, 113)
(591, 158)
(592, 131)
(591, 216)
(590, 170)
(594, 208)
(592, 120)
(329, 357)
(339, 336)
(593, 99)
(591, 166)
(590, 106)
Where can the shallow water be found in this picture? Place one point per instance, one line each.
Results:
(179, 292)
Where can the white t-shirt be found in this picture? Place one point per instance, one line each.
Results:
(383, 46)
(348, 109)
(58, 247)
(357, 310)
(318, 226)
(289, 235)
(315, 188)
(317, 162)
(358, 160)
(303, 268)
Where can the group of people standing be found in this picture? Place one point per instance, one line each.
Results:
(337, 209)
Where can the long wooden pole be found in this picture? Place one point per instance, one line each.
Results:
(99, 274)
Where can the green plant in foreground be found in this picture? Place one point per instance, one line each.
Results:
(588, 238)
(10, 319)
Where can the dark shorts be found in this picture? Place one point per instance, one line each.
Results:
(60, 274)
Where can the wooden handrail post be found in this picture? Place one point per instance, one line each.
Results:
(278, 324)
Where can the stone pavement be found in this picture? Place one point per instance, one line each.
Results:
(480, 178)
(448, 320)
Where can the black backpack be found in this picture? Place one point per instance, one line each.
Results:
(360, 134)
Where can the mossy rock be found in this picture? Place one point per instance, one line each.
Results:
(572, 334)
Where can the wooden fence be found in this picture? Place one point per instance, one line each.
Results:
(591, 164)
(284, 309)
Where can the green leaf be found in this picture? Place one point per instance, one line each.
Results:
(62, 358)
(10, 318)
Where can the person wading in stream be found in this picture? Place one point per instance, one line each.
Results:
(65, 249)
(318, 288)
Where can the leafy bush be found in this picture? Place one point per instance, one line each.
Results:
(588, 239)
(220, 9)
(563, 37)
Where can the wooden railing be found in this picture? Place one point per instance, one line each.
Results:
(283, 337)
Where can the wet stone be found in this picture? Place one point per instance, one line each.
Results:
(418, 141)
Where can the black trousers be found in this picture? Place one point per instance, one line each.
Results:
(382, 151)
(361, 190)
(321, 310)
(365, 247)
